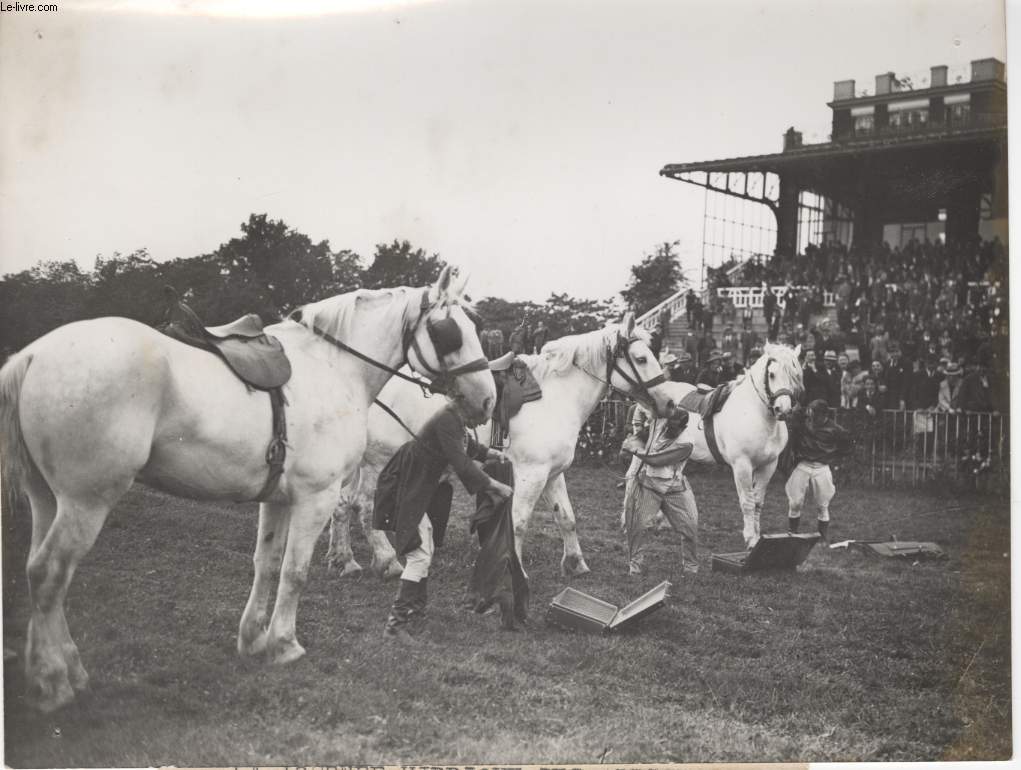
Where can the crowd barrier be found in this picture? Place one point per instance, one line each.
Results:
(965, 451)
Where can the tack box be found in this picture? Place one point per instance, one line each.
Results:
(577, 610)
(771, 553)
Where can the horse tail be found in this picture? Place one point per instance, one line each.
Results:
(17, 468)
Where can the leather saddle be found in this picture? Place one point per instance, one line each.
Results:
(706, 403)
(515, 387)
(257, 359)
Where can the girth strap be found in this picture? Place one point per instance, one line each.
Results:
(710, 439)
(276, 452)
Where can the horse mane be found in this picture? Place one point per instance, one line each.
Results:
(586, 350)
(334, 315)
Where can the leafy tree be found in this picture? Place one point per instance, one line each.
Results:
(396, 264)
(126, 286)
(273, 268)
(654, 279)
(40, 299)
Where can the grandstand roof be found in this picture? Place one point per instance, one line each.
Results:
(811, 156)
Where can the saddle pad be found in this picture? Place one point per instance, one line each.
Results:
(705, 404)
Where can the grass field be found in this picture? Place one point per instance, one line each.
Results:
(850, 658)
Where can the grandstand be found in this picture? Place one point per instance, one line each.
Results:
(907, 194)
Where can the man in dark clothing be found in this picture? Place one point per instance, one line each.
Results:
(730, 370)
(831, 372)
(518, 339)
(976, 391)
(815, 442)
(689, 306)
(539, 337)
(769, 310)
(412, 503)
(684, 371)
(813, 378)
(712, 374)
(749, 339)
(897, 377)
(925, 385)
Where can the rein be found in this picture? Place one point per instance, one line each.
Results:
(640, 387)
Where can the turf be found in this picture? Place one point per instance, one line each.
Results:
(850, 658)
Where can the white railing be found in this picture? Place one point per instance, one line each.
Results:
(751, 296)
(741, 296)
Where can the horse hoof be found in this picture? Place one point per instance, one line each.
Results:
(251, 644)
(287, 652)
(392, 570)
(76, 673)
(50, 693)
(350, 568)
(574, 566)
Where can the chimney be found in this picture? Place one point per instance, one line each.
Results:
(987, 69)
(884, 83)
(939, 76)
(843, 89)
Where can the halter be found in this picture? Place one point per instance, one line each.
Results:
(771, 396)
(444, 341)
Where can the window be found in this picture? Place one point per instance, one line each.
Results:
(864, 124)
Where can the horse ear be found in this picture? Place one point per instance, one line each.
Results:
(441, 288)
(628, 323)
(797, 350)
(458, 290)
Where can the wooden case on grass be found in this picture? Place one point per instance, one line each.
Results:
(577, 610)
(772, 552)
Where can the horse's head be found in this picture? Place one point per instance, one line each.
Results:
(444, 346)
(632, 367)
(777, 378)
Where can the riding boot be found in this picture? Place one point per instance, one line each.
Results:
(401, 613)
(420, 599)
(793, 522)
(824, 527)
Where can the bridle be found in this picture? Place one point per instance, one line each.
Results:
(770, 396)
(621, 350)
(445, 336)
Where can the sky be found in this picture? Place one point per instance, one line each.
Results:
(519, 140)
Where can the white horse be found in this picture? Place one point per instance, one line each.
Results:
(575, 373)
(749, 429)
(95, 405)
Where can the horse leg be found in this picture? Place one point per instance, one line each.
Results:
(53, 667)
(761, 477)
(269, 550)
(308, 518)
(529, 481)
(339, 555)
(745, 482)
(573, 562)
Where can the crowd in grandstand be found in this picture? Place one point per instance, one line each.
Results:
(914, 325)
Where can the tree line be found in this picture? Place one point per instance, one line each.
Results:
(271, 269)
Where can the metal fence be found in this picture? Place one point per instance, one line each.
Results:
(961, 451)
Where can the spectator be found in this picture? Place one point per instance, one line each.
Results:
(539, 336)
(749, 339)
(706, 345)
(712, 373)
(519, 338)
(730, 369)
(950, 389)
(831, 374)
(850, 385)
(870, 401)
(685, 369)
(925, 385)
(897, 377)
(690, 344)
(769, 310)
(813, 378)
(690, 302)
(976, 393)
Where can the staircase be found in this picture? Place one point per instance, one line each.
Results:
(747, 300)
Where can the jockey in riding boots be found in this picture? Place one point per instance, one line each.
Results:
(815, 442)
